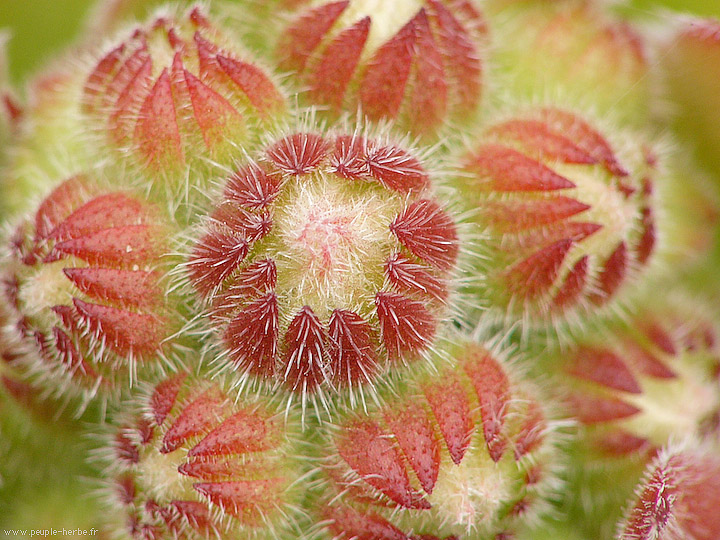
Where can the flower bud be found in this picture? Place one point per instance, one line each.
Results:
(83, 283)
(691, 66)
(192, 463)
(110, 15)
(327, 261)
(48, 139)
(569, 213)
(42, 453)
(677, 498)
(467, 452)
(416, 62)
(10, 109)
(633, 388)
(177, 93)
(657, 378)
(575, 51)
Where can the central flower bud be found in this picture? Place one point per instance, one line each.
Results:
(326, 238)
(326, 261)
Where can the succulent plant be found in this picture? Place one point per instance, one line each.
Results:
(363, 270)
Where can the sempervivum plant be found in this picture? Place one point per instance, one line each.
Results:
(363, 270)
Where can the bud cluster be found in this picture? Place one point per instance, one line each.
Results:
(280, 246)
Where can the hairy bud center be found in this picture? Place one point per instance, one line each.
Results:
(333, 241)
(158, 476)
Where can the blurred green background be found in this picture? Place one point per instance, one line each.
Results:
(37, 28)
(40, 27)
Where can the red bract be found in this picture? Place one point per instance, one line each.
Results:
(427, 72)
(326, 261)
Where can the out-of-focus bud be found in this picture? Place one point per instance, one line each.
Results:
(47, 140)
(416, 62)
(11, 110)
(108, 16)
(656, 378)
(634, 387)
(573, 51)
(691, 65)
